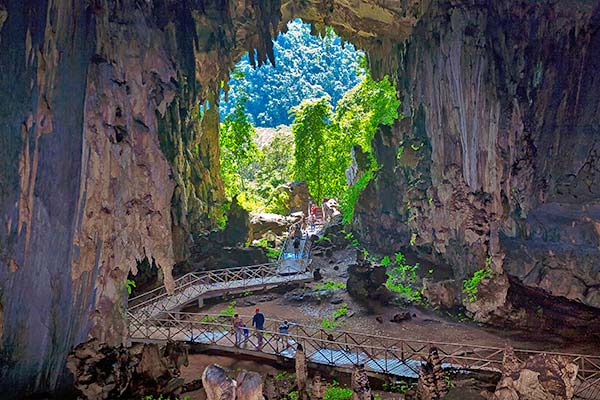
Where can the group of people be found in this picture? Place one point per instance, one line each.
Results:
(242, 332)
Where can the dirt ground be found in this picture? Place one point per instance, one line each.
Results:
(425, 325)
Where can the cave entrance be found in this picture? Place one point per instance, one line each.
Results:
(310, 118)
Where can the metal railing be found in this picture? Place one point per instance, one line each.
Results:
(388, 355)
(193, 285)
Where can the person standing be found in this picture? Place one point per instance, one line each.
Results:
(284, 334)
(238, 325)
(246, 334)
(258, 322)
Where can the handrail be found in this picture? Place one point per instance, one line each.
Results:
(161, 292)
(379, 337)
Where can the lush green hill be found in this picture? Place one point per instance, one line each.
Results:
(306, 67)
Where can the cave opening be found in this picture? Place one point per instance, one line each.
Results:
(308, 119)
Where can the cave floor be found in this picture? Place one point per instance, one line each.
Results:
(426, 324)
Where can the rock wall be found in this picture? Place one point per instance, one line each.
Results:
(109, 154)
(497, 156)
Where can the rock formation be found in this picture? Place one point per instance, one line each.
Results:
(218, 385)
(498, 156)
(301, 372)
(540, 377)
(432, 384)
(109, 138)
(361, 389)
(104, 372)
(366, 282)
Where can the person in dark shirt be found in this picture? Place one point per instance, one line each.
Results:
(258, 322)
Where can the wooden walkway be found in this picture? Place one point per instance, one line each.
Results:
(291, 267)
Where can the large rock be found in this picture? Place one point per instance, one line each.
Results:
(541, 377)
(366, 283)
(105, 372)
(269, 226)
(220, 384)
(444, 294)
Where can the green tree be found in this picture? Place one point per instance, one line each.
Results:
(310, 126)
(238, 149)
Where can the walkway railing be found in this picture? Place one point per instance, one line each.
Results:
(382, 354)
(194, 285)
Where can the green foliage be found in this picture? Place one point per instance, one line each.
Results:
(396, 387)
(341, 312)
(327, 139)
(350, 196)
(449, 380)
(310, 126)
(272, 253)
(335, 392)
(283, 375)
(238, 150)
(307, 67)
(413, 239)
(330, 285)
(386, 262)
(402, 278)
(323, 238)
(130, 283)
(230, 310)
(470, 285)
(327, 324)
(292, 396)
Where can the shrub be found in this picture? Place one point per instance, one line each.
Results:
(396, 387)
(130, 283)
(327, 324)
(335, 392)
(341, 312)
(402, 278)
(330, 285)
(470, 285)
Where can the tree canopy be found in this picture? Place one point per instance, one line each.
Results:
(306, 67)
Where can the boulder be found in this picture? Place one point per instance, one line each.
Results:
(219, 384)
(238, 225)
(366, 283)
(401, 317)
(298, 196)
(107, 372)
(270, 226)
(540, 377)
(444, 294)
